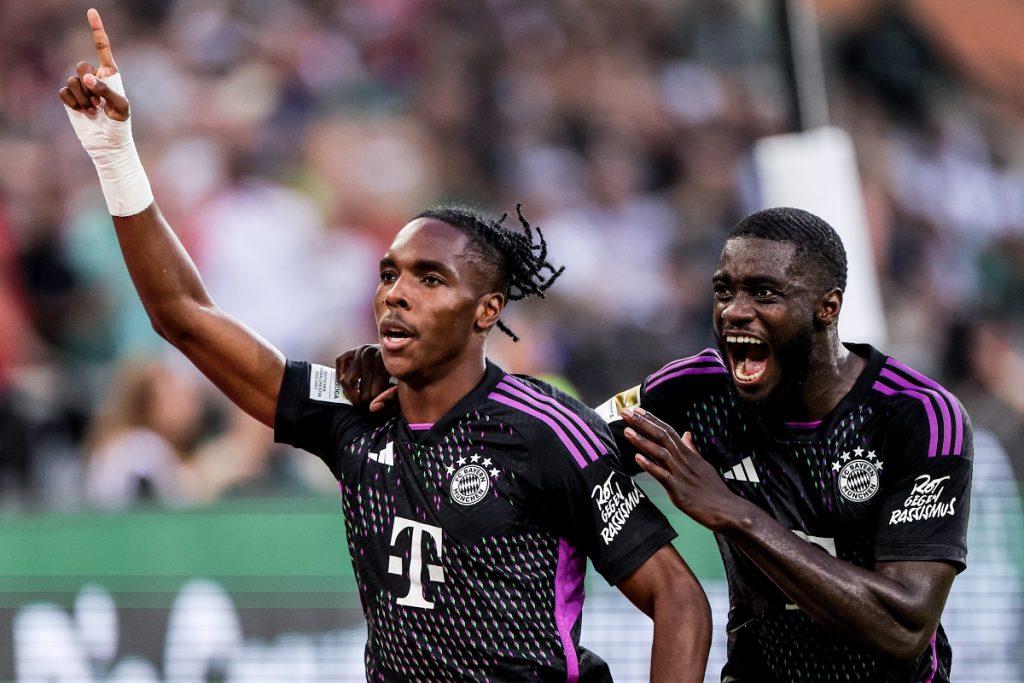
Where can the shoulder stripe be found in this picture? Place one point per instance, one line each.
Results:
(909, 387)
(588, 435)
(946, 394)
(707, 362)
(546, 419)
(933, 426)
(932, 396)
(523, 395)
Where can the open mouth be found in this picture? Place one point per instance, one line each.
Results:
(748, 356)
(394, 335)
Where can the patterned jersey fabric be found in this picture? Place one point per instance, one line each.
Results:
(885, 476)
(469, 537)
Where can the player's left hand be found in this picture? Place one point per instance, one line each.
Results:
(693, 485)
(364, 378)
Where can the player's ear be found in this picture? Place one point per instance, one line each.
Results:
(488, 310)
(826, 312)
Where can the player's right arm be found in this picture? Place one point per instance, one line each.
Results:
(238, 361)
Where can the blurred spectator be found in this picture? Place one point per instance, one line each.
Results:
(985, 367)
(243, 460)
(138, 446)
(285, 138)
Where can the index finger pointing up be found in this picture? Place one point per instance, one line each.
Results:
(100, 40)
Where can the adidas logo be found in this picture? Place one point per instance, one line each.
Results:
(386, 456)
(743, 472)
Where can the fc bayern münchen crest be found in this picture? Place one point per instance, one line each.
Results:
(470, 484)
(858, 474)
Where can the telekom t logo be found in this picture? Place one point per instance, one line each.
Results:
(415, 596)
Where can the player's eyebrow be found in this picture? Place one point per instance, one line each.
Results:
(753, 280)
(420, 266)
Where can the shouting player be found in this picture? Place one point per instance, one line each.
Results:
(836, 479)
(472, 502)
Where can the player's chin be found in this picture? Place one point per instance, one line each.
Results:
(757, 388)
(398, 365)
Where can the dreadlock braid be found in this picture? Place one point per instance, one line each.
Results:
(516, 261)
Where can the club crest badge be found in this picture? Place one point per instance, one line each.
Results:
(858, 474)
(471, 479)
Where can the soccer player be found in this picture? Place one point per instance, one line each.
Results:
(836, 479)
(472, 501)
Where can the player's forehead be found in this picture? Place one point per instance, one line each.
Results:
(753, 258)
(427, 239)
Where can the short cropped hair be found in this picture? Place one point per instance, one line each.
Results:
(817, 242)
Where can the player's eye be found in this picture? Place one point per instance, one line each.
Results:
(432, 280)
(722, 293)
(388, 276)
(765, 294)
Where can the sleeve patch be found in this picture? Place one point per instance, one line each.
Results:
(610, 410)
(324, 386)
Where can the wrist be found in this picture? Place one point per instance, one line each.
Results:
(737, 519)
(123, 179)
(109, 143)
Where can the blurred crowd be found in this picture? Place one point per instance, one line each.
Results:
(287, 140)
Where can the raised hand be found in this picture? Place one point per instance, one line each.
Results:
(85, 92)
(362, 374)
(691, 482)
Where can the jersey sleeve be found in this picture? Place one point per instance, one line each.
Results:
(927, 491)
(652, 397)
(596, 506)
(313, 413)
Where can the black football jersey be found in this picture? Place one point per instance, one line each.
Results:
(885, 476)
(469, 537)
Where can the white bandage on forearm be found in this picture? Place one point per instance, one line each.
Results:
(109, 143)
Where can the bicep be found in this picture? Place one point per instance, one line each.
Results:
(243, 365)
(663, 574)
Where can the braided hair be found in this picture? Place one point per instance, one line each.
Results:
(817, 242)
(514, 262)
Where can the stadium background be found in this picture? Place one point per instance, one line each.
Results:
(286, 141)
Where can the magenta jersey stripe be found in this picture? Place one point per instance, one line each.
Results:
(959, 418)
(947, 425)
(546, 419)
(813, 424)
(420, 426)
(569, 594)
(714, 370)
(705, 356)
(591, 443)
(935, 660)
(933, 425)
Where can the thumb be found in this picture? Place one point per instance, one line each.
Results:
(116, 105)
(379, 402)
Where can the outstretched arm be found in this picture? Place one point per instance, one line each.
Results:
(893, 610)
(242, 364)
(666, 590)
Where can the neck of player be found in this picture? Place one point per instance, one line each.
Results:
(427, 400)
(834, 372)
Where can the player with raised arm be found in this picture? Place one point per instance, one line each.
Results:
(473, 500)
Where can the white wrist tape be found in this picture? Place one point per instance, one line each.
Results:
(109, 143)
